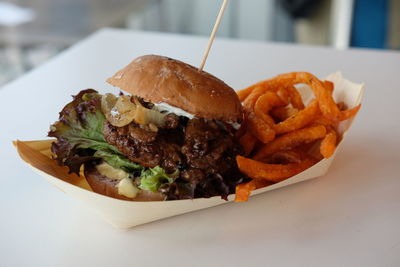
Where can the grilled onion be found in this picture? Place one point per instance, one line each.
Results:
(120, 111)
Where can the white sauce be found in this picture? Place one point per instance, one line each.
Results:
(235, 125)
(180, 112)
(171, 109)
(127, 188)
(111, 172)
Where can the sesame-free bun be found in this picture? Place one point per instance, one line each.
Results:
(159, 79)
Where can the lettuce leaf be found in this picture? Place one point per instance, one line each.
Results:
(117, 160)
(153, 178)
(79, 133)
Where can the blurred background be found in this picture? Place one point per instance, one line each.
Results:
(33, 31)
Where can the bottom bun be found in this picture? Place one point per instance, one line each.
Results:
(107, 186)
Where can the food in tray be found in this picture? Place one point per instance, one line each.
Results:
(179, 133)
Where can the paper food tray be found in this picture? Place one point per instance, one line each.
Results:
(125, 214)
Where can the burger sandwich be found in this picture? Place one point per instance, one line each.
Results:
(171, 135)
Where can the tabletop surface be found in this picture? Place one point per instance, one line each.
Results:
(349, 217)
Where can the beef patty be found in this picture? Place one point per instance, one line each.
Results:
(203, 151)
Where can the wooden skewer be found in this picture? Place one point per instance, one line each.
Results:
(213, 33)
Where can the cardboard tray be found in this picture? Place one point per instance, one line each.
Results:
(125, 214)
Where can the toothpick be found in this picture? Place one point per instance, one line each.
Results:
(213, 33)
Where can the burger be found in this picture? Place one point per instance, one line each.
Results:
(171, 134)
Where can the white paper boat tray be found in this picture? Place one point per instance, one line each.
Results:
(125, 214)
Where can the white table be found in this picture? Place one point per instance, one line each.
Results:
(350, 217)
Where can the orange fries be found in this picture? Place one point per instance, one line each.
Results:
(291, 140)
(293, 137)
(250, 101)
(323, 95)
(283, 113)
(328, 85)
(248, 141)
(242, 94)
(260, 128)
(347, 114)
(295, 97)
(328, 144)
(286, 156)
(243, 191)
(298, 120)
(272, 172)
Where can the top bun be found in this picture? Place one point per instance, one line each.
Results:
(159, 79)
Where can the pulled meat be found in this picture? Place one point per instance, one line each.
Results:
(202, 150)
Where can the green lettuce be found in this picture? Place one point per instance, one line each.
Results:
(79, 133)
(152, 178)
(117, 160)
(81, 123)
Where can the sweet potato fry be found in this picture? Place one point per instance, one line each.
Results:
(263, 105)
(291, 140)
(243, 191)
(267, 101)
(295, 97)
(261, 88)
(321, 120)
(341, 105)
(248, 141)
(283, 113)
(283, 95)
(242, 94)
(328, 85)
(272, 172)
(250, 101)
(326, 103)
(287, 156)
(266, 118)
(328, 144)
(298, 120)
(347, 114)
(260, 128)
(344, 115)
